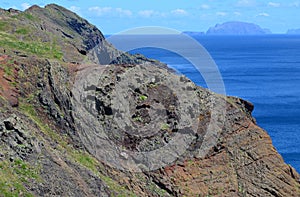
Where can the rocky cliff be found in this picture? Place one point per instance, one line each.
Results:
(80, 118)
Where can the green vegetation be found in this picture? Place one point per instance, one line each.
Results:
(8, 70)
(1, 97)
(3, 25)
(120, 190)
(25, 171)
(137, 119)
(10, 31)
(143, 97)
(165, 127)
(14, 84)
(156, 190)
(29, 110)
(13, 176)
(25, 15)
(151, 186)
(152, 85)
(22, 31)
(87, 161)
(28, 16)
(47, 50)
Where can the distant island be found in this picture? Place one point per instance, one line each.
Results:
(293, 31)
(237, 28)
(233, 28)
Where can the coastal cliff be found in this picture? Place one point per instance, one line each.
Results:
(80, 118)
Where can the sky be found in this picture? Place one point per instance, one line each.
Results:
(113, 16)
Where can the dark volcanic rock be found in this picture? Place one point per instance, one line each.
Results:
(16, 138)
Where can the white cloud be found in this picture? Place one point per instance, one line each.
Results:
(237, 13)
(263, 14)
(205, 6)
(221, 13)
(25, 6)
(74, 8)
(147, 13)
(273, 4)
(109, 11)
(246, 3)
(179, 12)
(101, 11)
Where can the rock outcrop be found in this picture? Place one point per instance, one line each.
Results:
(237, 28)
(83, 123)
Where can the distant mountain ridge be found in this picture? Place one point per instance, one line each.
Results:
(293, 31)
(232, 28)
(237, 28)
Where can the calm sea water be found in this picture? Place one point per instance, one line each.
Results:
(262, 69)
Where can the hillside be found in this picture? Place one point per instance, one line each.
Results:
(237, 28)
(80, 118)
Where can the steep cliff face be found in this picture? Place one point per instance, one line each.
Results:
(75, 123)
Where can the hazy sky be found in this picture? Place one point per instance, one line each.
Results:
(112, 16)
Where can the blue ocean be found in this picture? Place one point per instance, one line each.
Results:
(264, 70)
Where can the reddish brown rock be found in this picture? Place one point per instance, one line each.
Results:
(8, 81)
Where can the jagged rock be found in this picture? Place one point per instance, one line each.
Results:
(10, 123)
(20, 143)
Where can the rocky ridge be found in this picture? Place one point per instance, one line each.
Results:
(63, 95)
